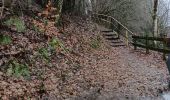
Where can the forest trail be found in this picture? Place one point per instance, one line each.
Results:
(93, 69)
(126, 74)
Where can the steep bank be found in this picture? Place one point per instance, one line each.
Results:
(90, 69)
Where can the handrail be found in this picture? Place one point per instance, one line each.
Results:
(116, 21)
(152, 38)
(110, 23)
(107, 21)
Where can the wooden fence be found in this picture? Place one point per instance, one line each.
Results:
(129, 36)
(164, 49)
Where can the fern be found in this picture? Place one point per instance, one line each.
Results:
(18, 69)
(17, 22)
(37, 29)
(4, 40)
(96, 42)
(56, 43)
(44, 54)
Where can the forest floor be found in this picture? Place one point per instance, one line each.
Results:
(83, 67)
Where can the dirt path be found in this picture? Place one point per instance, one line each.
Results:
(124, 73)
(137, 76)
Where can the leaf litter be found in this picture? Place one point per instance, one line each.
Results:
(81, 73)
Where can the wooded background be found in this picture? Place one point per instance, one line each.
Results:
(138, 15)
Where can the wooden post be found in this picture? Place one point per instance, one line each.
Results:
(164, 47)
(93, 18)
(108, 24)
(118, 30)
(135, 42)
(127, 40)
(112, 25)
(147, 45)
(98, 19)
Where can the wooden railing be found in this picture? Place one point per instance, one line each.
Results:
(130, 37)
(114, 24)
(148, 46)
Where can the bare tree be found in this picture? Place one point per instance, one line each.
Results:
(163, 16)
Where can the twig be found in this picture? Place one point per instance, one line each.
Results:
(3, 6)
(11, 53)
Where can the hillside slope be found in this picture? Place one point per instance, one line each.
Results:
(84, 67)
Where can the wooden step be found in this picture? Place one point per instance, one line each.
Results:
(112, 38)
(118, 45)
(107, 31)
(116, 42)
(109, 35)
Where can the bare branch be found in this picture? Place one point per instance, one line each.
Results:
(2, 8)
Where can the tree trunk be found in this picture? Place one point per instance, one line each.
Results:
(60, 6)
(83, 6)
(88, 7)
(58, 20)
(155, 19)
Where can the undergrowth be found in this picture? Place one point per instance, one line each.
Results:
(17, 22)
(5, 40)
(54, 46)
(17, 69)
(95, 43)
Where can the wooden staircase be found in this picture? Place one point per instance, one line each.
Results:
(109, 24)
(113, 38)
